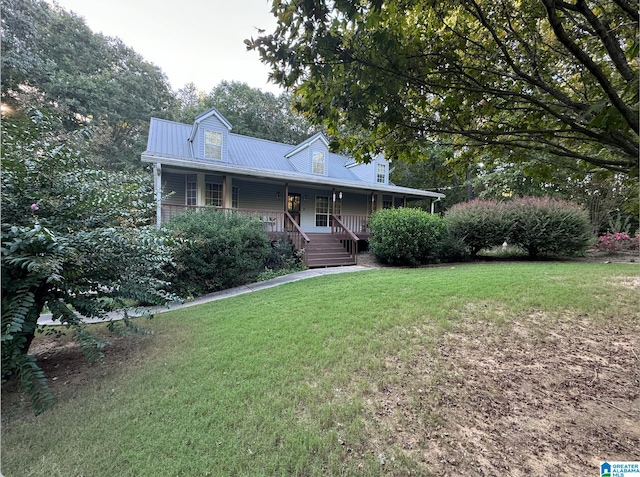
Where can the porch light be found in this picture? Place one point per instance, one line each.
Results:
(340, 195)
(278, 194)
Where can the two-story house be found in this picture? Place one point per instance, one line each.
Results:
(306, 191)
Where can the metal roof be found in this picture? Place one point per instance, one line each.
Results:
(169, 144)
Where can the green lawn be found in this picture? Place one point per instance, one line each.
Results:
(275, 382)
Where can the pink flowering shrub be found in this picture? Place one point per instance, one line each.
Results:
(617, 242)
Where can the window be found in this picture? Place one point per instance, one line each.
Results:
(387, 202)
(191, 190)
(322, 211)
(213, 194)
(381, 173)
(317, 166)
(212, 145)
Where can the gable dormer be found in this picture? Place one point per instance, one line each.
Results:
(375, 172)
(209, 137)
(311, 156)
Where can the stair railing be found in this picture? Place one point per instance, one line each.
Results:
(296, 235)
(348, 239)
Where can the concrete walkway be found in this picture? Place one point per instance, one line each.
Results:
(45, 319)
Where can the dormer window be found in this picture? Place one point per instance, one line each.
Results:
(212, 145)
(381, 173)
(318, 163)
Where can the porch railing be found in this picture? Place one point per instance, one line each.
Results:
(347, 237)
(273, 221)
(358, 224)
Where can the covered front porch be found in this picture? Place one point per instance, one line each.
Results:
(326, 222)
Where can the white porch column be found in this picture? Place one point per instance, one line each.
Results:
(378, 201)
(157, 188)
(201, 194)
(227, 192)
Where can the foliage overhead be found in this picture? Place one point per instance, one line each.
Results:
(553, 81)
(251, 111)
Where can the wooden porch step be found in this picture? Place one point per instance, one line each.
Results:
(325, 250)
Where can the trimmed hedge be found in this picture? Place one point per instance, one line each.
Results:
(479, 224)
(545, 226)
(406, 236)
(216, 250)
(539, 225)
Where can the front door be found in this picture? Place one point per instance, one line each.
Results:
(293, 206)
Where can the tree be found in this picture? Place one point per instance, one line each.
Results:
(73, 239)
(554, 81)
(251, 112)
(100, 80)
(433, 172)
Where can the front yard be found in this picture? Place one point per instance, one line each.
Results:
(495, 369)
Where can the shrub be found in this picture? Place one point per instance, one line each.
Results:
(545, 226)
(479, 224)
(283, 256)
(72, 240)
(216, 250)
(406, 236)
(617, 242)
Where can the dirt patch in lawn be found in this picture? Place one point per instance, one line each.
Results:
(68, 370)
(543, 395)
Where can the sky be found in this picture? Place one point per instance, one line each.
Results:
(199, 41)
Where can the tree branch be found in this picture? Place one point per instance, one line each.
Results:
(611, 44)
(627, 114)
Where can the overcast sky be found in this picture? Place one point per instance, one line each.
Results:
(199, 41)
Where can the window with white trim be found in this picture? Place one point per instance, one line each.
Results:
(322, 211)
(191, 190)
(318, 163)
(213, 194)
(212, 145)
(381, 173)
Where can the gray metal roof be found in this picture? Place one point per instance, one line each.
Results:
(169, 144)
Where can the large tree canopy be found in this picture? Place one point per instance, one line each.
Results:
(51, 57)
(556, 81)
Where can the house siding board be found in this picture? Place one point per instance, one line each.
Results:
(211, 123)
(173, 188)
(364, 172)
(301, 161)
(260, 195)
